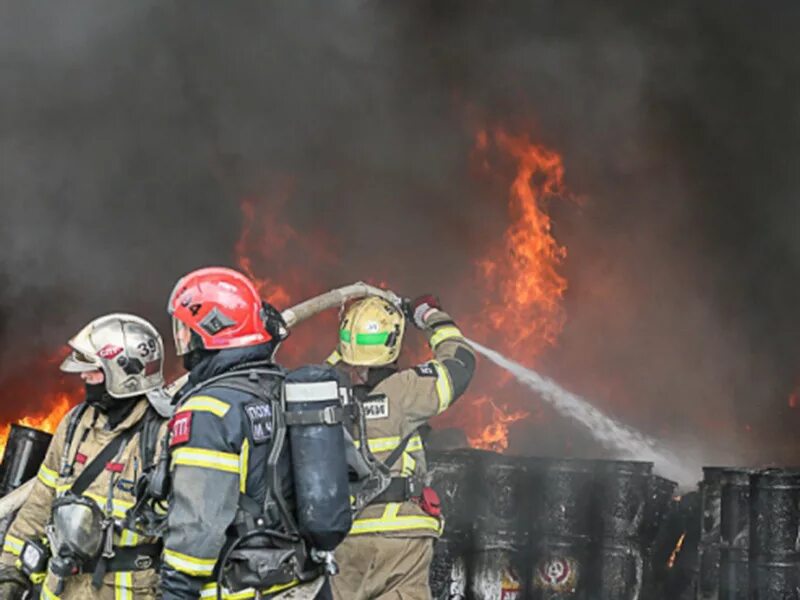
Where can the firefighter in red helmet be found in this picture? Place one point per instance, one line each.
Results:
(221, 446)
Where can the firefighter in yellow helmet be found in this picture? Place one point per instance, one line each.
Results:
(388, 552)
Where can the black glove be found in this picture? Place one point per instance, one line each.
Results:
(416, 310)
(273, 322)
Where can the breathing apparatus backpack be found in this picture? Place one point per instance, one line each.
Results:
(289, 537)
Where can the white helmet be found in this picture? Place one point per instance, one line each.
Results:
(128, 350)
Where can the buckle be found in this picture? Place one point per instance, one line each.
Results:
(413, 487)
(330, 415)
(143, 562)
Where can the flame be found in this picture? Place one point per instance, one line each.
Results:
(677, 550)
(494, 435)
(525, 289)
(273, 240)
(57, 406)
(522, 289)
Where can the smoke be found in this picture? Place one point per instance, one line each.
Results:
(133, 131)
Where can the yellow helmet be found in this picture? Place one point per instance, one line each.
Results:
(371, 333)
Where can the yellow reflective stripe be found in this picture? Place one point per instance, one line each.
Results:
(445, 333)
(119, 508)
(244, 458)
(123, 585)
(205, 404)
(444, 389)
(206, 459)
(47, 594)
(190, 565)
(409, 465)
(391, 522)
(334, 358)
(48, 477)
(128, 537)
(13, 544)
(388, 444)
(210, 591)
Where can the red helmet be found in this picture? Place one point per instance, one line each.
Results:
(221, 306)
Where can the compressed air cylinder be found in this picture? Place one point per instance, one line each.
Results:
(709, 550)
(775, 535)
(561, 512)
(619, 560)
(734, 534)
(25, 451)
(319, 462)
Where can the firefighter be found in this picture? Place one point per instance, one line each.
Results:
(389, 550)
(71, 538)
(221, 444)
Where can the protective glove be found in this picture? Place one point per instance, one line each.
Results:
(13, 584)
(417, 310)
(274, 322)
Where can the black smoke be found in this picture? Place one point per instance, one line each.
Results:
(132, 132)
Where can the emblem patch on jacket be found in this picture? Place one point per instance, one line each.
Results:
(426, 370)
(375, 407)
(260, 417)
(180, 428)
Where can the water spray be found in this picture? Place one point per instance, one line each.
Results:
(613, 435)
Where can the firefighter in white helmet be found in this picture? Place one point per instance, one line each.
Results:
(73, 539)
(389, 550)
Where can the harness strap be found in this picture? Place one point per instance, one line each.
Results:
(130, 558)
(401, 489)
(94, 468)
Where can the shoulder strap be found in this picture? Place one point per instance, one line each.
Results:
(94, 468)
(72, 427)
(149, 439)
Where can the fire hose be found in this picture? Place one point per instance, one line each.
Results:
(293, 317)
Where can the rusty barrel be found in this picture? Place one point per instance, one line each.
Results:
(619, 561)
(734, 534)
(561, 512)
(25, 451)
(775, 535)
(709, 548)
(660, 497)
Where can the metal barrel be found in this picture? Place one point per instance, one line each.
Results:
(734, 534)
(454, 475)
(561, 511)
(775, 535)
(709, 548)
(448, 575)
(619, 561)
(25, 451)
(660, 497)
(501, 496)
(496, 568)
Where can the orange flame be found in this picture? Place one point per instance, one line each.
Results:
(61, 404)
(523, 289)
(494, 436)
(526, 288)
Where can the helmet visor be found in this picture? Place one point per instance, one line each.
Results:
(185, 339)
(77, 362)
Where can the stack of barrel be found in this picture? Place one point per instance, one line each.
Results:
(544, 529)
(756, 538)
